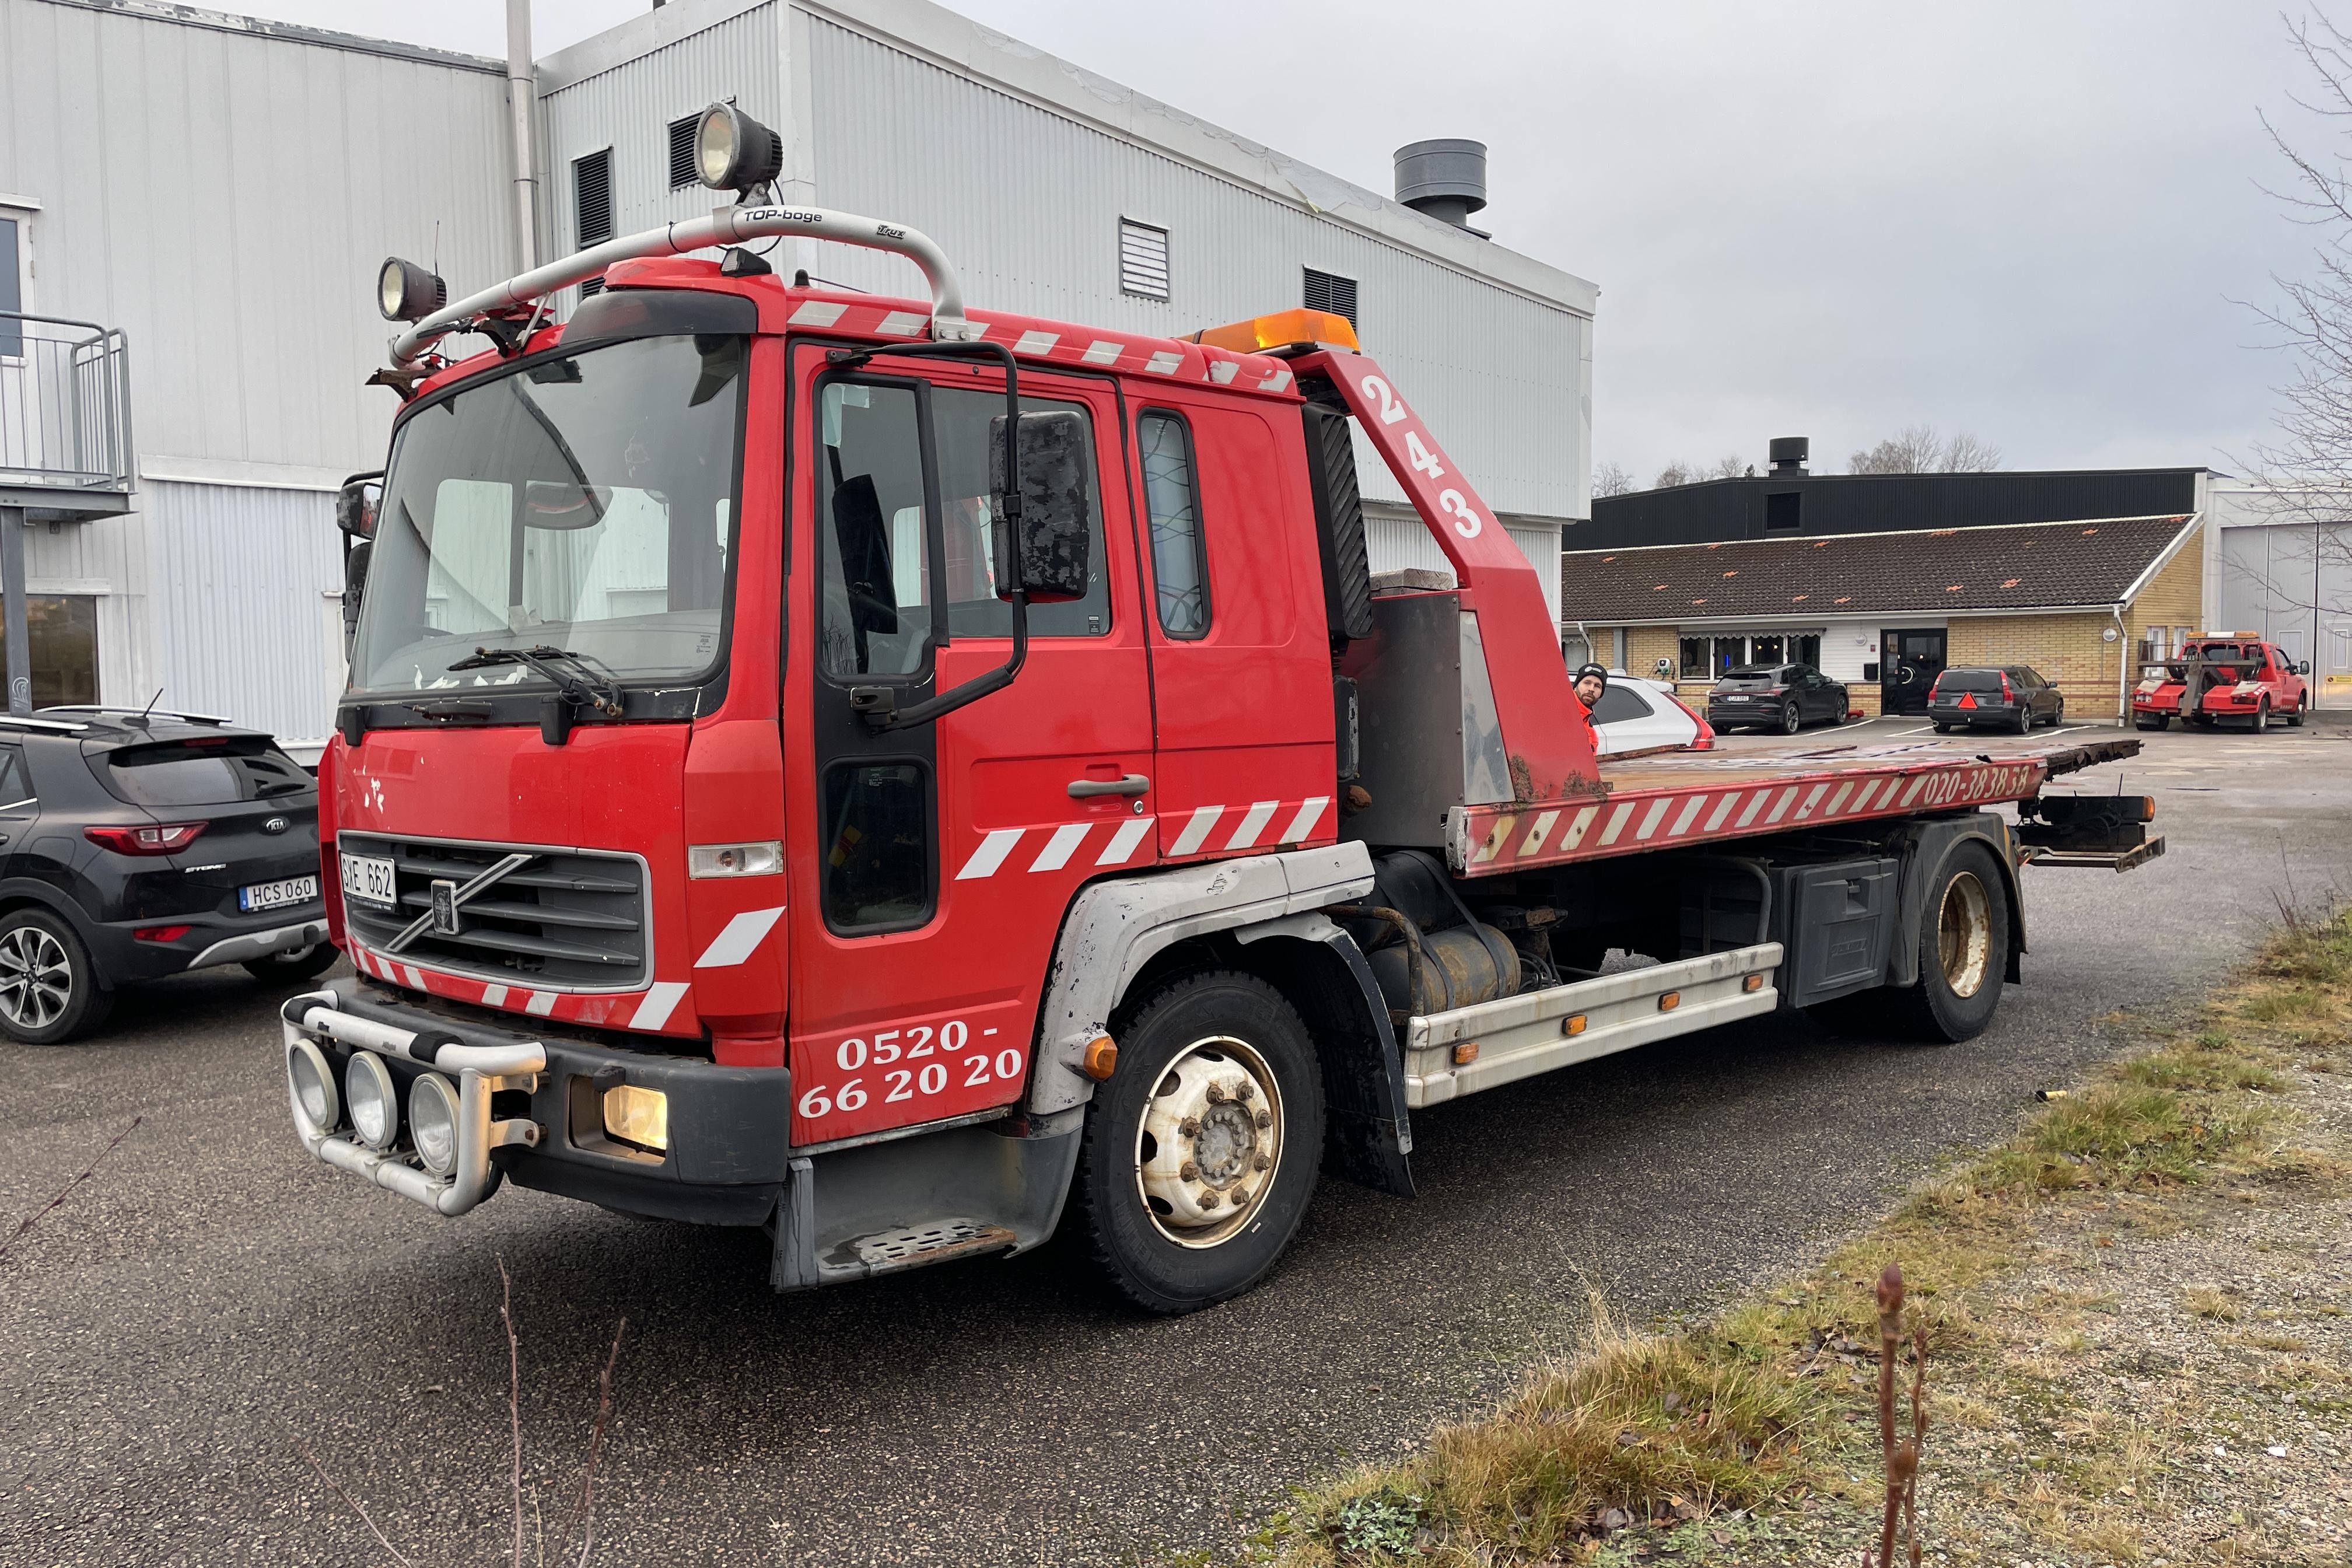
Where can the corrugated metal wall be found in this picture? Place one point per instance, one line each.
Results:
(1395, 537)
(244, 628)
(629, 109)
(1028, 201)
(225, 196)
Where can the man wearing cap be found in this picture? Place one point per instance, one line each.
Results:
(1590, 682)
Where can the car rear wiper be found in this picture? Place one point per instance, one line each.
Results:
(586, 689)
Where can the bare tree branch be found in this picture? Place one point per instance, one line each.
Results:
(514, 1396)
(585, 1506)
(352, 1503)
(65, 1192)
(1611, 479)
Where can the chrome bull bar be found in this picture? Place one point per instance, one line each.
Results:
(478, 1072)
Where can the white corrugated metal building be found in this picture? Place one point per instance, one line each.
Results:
(223, 189)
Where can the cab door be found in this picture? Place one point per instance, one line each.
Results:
(930, 865)
(1240, 655)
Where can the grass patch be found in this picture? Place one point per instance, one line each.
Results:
(1727, 1421)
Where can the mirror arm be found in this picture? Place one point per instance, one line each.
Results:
(878, 705)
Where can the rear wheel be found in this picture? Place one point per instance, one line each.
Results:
(1790, 719)
(1963, 951)
(2023, 722)
(2262, 717)
(49, 991)
(1943, 729)
(302, 964)
(2160, 722)
(1202, 1150)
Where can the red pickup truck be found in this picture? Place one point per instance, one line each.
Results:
(2236, 677)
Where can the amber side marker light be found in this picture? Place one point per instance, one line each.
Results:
(1283, 328)
(1465, 1053)
(1670, 1001)
(1572, 1024)
(1100, 1058)
(1753, 983)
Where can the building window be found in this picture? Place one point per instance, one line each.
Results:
(1330, 291)
(12, 285)
(1179, 563)
(1698, 653)
(681, 153)
(591, 205)
(62, 630)
(1142, 260)
(1785, 510)
(1576, 650)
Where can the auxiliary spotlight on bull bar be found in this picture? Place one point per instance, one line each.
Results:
(479, 1072)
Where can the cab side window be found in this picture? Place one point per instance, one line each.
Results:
(1179, 567)
(871, 527)
(16, 783)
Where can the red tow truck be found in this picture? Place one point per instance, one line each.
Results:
(2234, 677)
(889, 773)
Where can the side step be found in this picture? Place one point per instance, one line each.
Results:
(913, 1246)
(2098, 859)
(1449, 1055)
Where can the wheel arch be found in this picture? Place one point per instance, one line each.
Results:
(1933, 843)
(1125, 935)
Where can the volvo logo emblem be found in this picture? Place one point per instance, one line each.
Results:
(275, 824)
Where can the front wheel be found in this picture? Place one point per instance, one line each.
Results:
(2295, 715)
(49, 991)
(1202, 1150)
(303, 963)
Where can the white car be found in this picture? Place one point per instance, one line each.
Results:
(1639, 715)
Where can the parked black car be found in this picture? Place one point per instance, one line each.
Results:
(1783, 697)
(2010, 696)
(135, 846)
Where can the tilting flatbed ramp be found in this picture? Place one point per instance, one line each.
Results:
(1679, 798)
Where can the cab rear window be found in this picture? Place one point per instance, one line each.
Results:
(203, 772)
(1971, 680)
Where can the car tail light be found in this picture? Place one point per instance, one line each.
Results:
(159, 838)
(1935, 686)
(160, 933)
(331, 884)
(2006, 694)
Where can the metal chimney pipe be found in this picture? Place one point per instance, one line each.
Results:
(522, 96)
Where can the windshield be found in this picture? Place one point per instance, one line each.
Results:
(584, 503)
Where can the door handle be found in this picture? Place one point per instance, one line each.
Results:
(1129, 783)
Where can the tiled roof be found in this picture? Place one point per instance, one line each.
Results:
(2051, 566)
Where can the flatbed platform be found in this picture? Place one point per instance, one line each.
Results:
(1681, 798)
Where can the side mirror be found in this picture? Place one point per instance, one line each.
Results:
(1042, 543)
(2303, 669)
(355, 505)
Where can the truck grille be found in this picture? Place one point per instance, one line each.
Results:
(564, 919)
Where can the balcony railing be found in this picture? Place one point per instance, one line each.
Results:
(65, 412)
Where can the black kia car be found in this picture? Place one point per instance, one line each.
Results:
(137, 845)
(2010, 697)
(1783, 697)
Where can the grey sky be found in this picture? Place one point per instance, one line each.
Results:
(2027, 220)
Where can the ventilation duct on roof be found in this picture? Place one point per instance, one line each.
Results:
(1789, 454)
(1444, 179)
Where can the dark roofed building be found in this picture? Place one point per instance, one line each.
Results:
(1883, 579)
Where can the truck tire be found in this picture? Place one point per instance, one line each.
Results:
(2161, 722)
(1963, 951)
(1217, 1097)
(49, 988)
(2294, 717)
(2260, 720)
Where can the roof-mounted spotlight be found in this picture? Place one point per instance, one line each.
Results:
(407, 292)
(733, 152)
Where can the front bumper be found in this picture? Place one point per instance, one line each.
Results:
(531, 1109)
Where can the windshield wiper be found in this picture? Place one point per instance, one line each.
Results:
(587, 688)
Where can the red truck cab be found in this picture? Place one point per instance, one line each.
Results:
(2238, 676)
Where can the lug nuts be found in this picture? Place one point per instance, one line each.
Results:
(1209, 1200)
(1246, 1089)
(1240, 1198)
(1214, 1094)
(1265, 1120)
(1189, 1171)
(1263, 1162)
(1190, 1127)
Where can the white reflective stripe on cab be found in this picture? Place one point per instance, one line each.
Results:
(652, 1013)
(740, 940)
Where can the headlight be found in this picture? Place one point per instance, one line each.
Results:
(313, 1083)
(433, 1123)
(376, 1104)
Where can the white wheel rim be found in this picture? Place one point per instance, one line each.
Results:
(1210, 1141)
(1964, 935)
(36, 977)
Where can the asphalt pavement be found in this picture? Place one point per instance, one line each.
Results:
(213, 1301)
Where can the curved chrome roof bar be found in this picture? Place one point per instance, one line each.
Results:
(727, 226)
